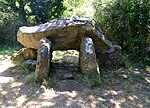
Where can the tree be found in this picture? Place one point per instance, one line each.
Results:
(79, 8)
(16, 13)
(39, 11)
(43, 10)
(127, 22)
(15, 7)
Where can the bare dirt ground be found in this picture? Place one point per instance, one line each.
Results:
(120, 88)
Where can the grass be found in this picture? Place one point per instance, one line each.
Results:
(48, 82)
(8, 50)
(114, 76)
(126, 82)
(126, 74)
(92, 80)
(66, 57)
(30, 78)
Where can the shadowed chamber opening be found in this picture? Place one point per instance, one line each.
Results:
(65, 61)
(70, 57)
(64, 68)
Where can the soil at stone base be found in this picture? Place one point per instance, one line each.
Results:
(117, 91)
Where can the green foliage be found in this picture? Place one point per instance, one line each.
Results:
(129, 74)
(72, 6)
(39, 11)
(127, 23)
(14, 7)
(48, 82)
(44, 10)
(16, 13)
(9, 24)
(78, 8)
(101, 11)
(8, 50)
(30, 78)
(92, 80)
(8, 29)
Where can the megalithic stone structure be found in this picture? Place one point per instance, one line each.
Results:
(69, 34)
(88, 61)
(43, 60)
(65, 33)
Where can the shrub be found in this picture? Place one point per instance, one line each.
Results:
(8, 30)
(127, 23)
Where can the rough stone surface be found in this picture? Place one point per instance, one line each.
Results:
(110, 58)
(31, 64)
(24, 54)
(88, 62)
(67, 31)
(69, 34)
(43, 60)
(67, 75)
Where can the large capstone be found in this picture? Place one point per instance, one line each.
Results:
(43, 60)
(88, 62)
(64, 33)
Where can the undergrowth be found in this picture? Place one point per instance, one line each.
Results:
(8, 50)
(30, 79)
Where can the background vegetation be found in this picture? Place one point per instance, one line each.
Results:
(125, 22)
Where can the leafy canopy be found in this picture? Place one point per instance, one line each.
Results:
(33, 11)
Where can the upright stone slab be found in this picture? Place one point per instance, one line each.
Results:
(88, 62)
(43, 59)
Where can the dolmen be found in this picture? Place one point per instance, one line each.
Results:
(73, 33)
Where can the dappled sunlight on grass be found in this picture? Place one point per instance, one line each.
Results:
(118, 88)
(8, 50)
(51, 97)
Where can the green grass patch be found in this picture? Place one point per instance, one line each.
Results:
(8, 50)
(30, 78)
(135, 77)
(92, 80)
(23, 66)
(128, 75)
(48, 81)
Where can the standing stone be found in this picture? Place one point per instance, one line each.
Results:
(88, 63)
(43, 59)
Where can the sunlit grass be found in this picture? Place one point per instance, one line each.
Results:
(66, 57)
(7, 51)
(48, 82)
(30, 79)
